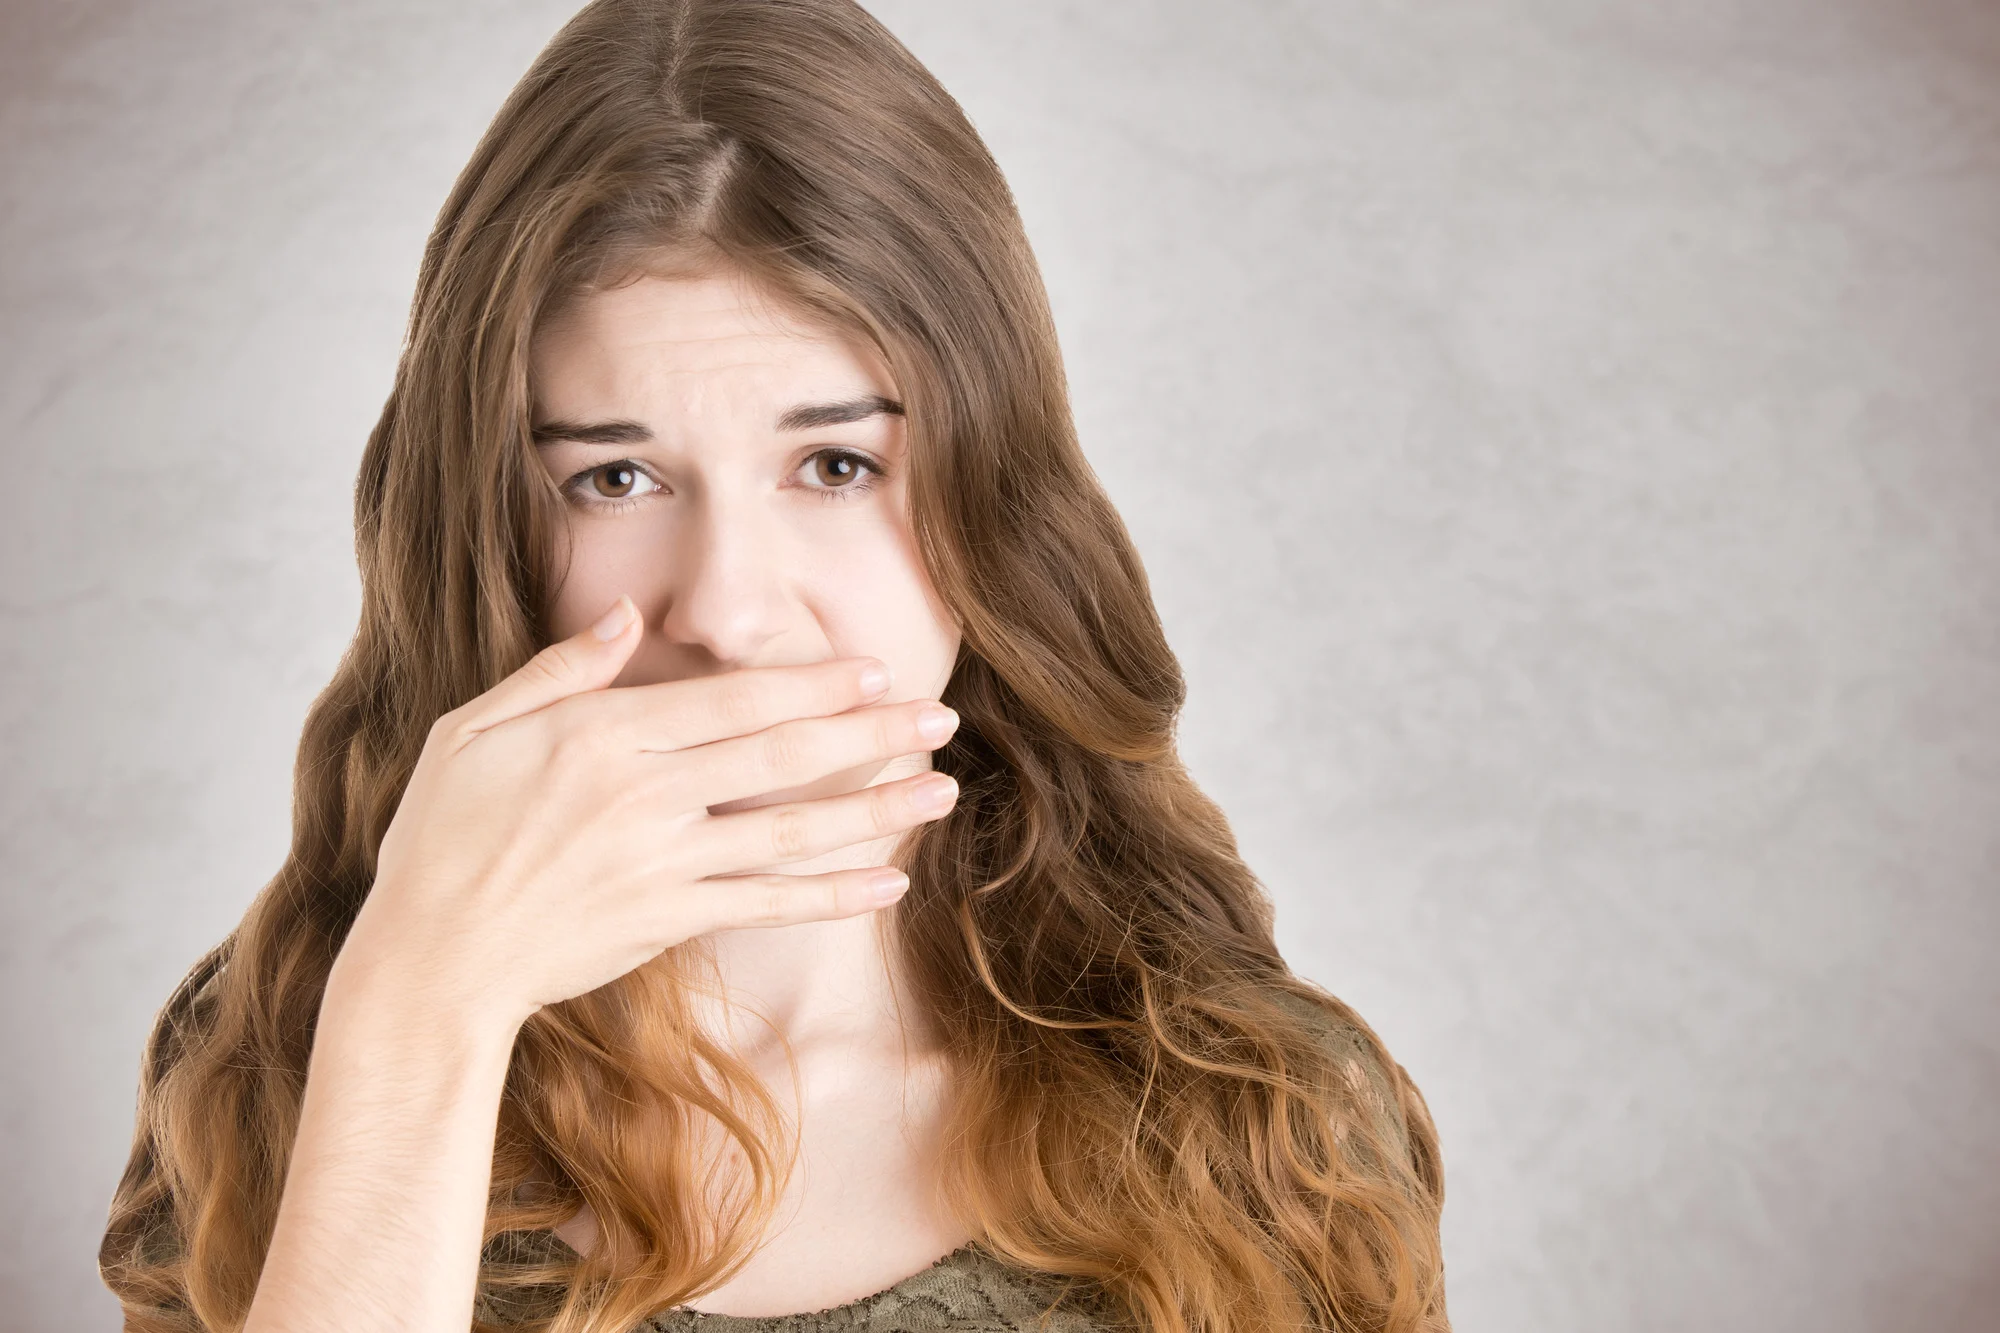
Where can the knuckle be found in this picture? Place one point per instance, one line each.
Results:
(772, 902)
(449, 733)
(737, 704)
(571, 745)
(824, 897)
(785, 749)
(550, 664)
(791, 835)
(888, 811)
(443, 728)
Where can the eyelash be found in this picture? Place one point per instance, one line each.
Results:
(572, 489)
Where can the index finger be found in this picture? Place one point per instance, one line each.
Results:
(679, 714)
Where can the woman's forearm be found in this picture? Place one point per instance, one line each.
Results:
(385, 1198)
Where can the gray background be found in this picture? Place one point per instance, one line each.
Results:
(1562, 435)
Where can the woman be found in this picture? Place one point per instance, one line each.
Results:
(730, 383)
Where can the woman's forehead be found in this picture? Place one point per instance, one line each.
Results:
(681, 341)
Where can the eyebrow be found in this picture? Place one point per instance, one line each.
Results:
(811, 416)
(595, 432)
(806, 416)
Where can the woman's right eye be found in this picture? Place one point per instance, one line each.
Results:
(610, 483)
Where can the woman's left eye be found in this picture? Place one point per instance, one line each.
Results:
(610, 483)
(840, 473)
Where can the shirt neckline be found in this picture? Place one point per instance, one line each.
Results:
(723, 1322)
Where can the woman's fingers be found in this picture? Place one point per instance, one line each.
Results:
(671, 715)
(793, 753)
(680, 714)
(588, 660)
(784, 900)
(776, 835)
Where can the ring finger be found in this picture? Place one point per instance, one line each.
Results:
(777, 835)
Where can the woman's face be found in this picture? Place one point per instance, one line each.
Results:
(742, 475)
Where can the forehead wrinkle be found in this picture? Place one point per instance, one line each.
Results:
(771, 346)
(749, 391)
(636, 345)
(822, 376)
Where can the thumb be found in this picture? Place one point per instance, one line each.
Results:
(588, 660)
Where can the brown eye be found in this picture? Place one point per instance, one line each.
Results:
(836, 470)
(614, 481)
(610, 484)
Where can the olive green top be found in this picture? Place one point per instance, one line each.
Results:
(967, 1290)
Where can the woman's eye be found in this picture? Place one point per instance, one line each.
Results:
(612, 481)
(840, 470)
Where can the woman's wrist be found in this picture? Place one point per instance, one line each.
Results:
(427, 1000)
(414, 1027)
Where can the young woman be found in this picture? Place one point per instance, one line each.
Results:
(654, 948)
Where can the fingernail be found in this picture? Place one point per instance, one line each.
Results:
(937, 794)
(936, 722)
(874, 680)
(888, 886)
(615, 620)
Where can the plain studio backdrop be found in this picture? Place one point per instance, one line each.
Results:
(1564, 439)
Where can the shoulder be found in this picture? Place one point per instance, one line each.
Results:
(1338, 1029)
(1380, 1088)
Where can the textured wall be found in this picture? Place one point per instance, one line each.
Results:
(1562, 434)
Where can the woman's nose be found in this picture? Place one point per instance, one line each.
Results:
(726, 586)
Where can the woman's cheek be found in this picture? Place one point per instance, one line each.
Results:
(605, 560)
(875, 600)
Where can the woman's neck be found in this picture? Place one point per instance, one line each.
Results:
(818, 984)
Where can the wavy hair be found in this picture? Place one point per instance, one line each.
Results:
(1147, 1099)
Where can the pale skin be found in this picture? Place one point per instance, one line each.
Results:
(701, 752)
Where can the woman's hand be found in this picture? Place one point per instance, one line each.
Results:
(555, 834)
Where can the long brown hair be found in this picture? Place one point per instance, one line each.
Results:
(1147, 1099)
